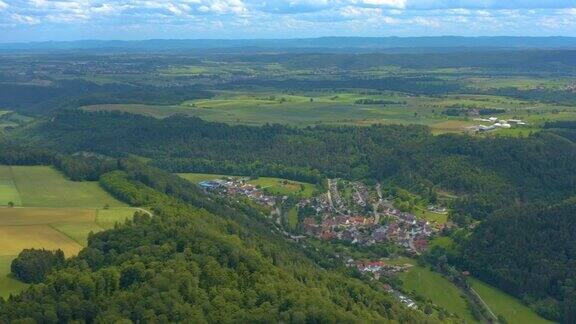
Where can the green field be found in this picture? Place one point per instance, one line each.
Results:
(503, 304)
(199, 177)
(274, 186)
(292, 218)
(431, 285)
(445, 242)
(43, 186)
(107, 218)
(8, 285)
(437, 218)
(282, 187)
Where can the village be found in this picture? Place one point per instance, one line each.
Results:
(351, 211)
(237, 187)
(348, 211)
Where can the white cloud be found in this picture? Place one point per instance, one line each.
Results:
(355, 12)
(398, 4)
(27, 20)
(3, 5)
(428, 22)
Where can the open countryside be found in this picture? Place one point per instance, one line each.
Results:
(329, 180)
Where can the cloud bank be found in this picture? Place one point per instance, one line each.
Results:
(23, 20)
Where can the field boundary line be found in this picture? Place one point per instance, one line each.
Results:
(483, 302)
(68, 236)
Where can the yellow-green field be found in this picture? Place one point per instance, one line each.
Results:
(50, 212)
(503, 304)
(274, 186)
(43, 186)
(292, 218)
(199, 177)
(436, 218)
(282, 187)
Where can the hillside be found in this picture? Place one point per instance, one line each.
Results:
(187, 263)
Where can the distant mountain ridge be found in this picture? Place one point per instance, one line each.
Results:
(335, 43)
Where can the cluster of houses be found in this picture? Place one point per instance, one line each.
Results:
(335, 219)
(381, 268)
(362, 217)
(571, 87)
(377, 269)
(401, 228)
(239, 187)
(497, 123)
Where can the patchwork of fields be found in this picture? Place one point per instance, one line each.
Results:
(343, 108)
(49, 212)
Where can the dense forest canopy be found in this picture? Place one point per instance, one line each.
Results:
(530, 252)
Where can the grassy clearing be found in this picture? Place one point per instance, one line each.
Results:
(436, 218)
(509, 307)
(292, 218)
(107, 218)
(442, 241)
(43, 186)
(8, 285)
(199, 177)
(275, 186)
(431, 285)
(282, 187)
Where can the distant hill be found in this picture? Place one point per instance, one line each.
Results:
(401, 44)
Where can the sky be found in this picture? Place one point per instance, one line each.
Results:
(57, 20)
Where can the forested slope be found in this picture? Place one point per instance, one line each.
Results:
(188, 264)
(530, 252)
(490, 173)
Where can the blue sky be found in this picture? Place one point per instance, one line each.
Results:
(42, 20)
